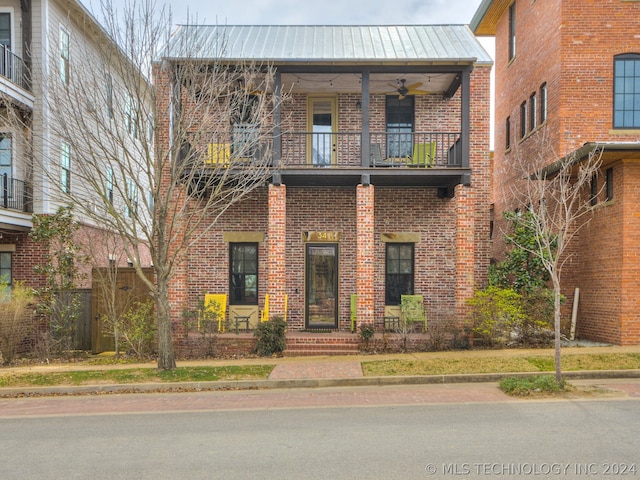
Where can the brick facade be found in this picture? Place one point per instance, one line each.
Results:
(570, 46)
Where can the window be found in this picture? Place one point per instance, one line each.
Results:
(109, 95)
(400, 123)
(5, 29)
(244, 129)
(6, 277)
(533, 111)
(609, 185)
(131, 115)
(243, 273)
(65, 168)
(512, 31)
(109, 185)
(543, 103)
(64, 56)
(6, 155)
(132, 197)
(399, 273)
(523, 119)
(626, 91)
(594, 190)
(507, 133)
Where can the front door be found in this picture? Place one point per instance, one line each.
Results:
(322, 144)
(321, 285)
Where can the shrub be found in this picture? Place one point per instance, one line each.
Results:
(270, 337)
(366, 334)
(494, 313)
(136, 328)
(16, 319)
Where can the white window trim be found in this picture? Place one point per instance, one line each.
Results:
(67, 74)
(12, 25)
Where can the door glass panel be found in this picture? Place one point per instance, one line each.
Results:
(322, 134)
(321, 286)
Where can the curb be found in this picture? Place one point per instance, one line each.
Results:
(298, 383)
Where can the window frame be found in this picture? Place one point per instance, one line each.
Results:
(533, 112)
(609, 184)
(65, 55)
(507, 127)
(392, 283)
(523, 120)
(400, 129)
(9, 12)
(109, 95)
(634, 94)
(65, 167)
(10, 150)
(543, 103)
(6, 270)
(133, 196)
(109, 183)
(512, 31)
(238, 291)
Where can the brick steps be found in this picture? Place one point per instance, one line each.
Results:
(307, 344)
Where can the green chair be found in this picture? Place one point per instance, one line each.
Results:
(354, 307)
(412, 307)
(424, 155)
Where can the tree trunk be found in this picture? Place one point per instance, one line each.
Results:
(166, 356)
(556, 323)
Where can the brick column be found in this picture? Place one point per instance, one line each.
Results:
(365, 254)
(276, 249)
(465, 249)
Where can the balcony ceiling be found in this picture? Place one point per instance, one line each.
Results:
(380, 84)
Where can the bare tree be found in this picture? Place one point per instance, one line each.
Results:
(553, 199)
(160, 195)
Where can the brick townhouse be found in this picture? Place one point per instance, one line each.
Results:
(380, 184)
(568, 72)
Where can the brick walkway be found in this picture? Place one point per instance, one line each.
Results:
(311, 370)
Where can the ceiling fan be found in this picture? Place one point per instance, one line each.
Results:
(403, 89)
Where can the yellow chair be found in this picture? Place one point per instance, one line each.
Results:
(217, 304)
(424, 155)
(264, 315)
(218, 154)
(286, 303)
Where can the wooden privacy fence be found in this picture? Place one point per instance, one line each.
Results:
(114, 290)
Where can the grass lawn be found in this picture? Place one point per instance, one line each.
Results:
(135, 375)
(443, 365)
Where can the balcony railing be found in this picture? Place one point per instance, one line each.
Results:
(14, 68)
(14, 194)
(386, 149)
(341, 150)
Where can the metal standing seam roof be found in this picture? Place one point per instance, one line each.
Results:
(329, 43)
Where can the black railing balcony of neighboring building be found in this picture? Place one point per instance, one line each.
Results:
(15, 194)
(14, 68)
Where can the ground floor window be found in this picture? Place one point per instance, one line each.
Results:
(399, 272)
(243, 274)
(5, 273)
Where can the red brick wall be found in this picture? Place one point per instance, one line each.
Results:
(571, 45)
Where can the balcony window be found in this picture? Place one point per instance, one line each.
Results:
(626, 91)
(399, 272)
(244, 131)
(5, 29)
(243, 274)
(400, 114)
(6, 155)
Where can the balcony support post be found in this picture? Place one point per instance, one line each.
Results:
(365, 161)
(466, 116)
(277, 119)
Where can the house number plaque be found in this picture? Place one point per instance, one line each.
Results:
(321, 236)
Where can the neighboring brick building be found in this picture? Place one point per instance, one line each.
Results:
(568, 76)
(366, 176)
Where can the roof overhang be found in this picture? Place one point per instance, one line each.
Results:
(487, 16)
(610, 152)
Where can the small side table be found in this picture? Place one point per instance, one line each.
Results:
(242, 319)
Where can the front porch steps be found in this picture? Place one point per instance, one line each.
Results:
(332, 343)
